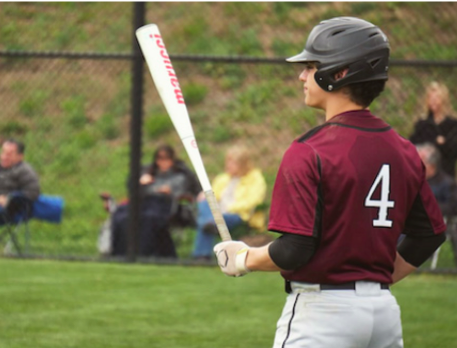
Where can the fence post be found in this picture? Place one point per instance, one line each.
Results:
(136, 119)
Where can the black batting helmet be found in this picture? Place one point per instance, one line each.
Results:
(346, 42)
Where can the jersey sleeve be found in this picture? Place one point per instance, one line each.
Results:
(296, 199)
(425, 218)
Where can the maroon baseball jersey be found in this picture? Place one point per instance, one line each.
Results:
(355, 185)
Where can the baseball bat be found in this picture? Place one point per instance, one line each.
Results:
(166, 82)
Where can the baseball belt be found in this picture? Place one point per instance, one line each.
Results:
(342, 286)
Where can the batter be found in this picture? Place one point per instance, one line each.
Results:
(344, 193)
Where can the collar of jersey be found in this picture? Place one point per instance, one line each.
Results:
(362, 119)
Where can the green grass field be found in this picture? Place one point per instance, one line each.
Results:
(78, 305)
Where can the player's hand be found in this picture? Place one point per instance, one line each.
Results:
(231, 257)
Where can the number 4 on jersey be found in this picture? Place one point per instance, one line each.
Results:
(383, 179)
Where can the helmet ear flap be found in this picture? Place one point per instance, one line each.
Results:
(325, 78)
(370, 68)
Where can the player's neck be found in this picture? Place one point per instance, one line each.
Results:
(336, 106)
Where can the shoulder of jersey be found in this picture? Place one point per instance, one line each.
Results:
(310, 133)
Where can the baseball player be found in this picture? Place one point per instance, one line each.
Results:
(344, 193)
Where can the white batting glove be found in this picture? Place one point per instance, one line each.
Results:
(231, 257)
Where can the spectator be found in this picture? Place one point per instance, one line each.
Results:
(168, 175)
(442, 184)
(164, 183)
(239, 190)
(443, 187)
(440, 128)
(19, 183)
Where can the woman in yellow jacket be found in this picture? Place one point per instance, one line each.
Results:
(239, 190)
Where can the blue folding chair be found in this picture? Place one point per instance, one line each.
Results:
(20, 210)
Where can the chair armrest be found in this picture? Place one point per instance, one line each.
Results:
(18, 206)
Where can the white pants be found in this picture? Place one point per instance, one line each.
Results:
(367, 317)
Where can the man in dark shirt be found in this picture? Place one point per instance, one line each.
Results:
(443, 186)
(344, 193)
(19, 184)
(444, 189)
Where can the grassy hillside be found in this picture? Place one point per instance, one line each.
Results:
(74, 114)
(416, 30)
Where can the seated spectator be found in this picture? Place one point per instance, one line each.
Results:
(168, 175)
(164, 183)
(439, 128)
(442, 184)
(19, 183)
(443, 187)
(239, 190)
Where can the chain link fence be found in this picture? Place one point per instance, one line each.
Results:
(66, 81)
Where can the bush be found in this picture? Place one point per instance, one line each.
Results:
(33, 105)
(157, 124)
(85, 140)
(221, 134)
(12, 128)
(67, 160)
(74, 111)
(194, 93)
(107, 127)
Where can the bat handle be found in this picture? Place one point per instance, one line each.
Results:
(217, 215)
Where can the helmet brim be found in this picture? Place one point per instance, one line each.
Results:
(299, 58)
(303, 57)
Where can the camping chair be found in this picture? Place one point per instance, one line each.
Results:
(183, 216)
(14, 217)
(19, 210)
(113, 238)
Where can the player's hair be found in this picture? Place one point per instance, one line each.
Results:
(431, 154)
(363, 93)
(443, 91)
(241, 156)
(20, 146)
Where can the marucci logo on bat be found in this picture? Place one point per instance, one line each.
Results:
(171, 73)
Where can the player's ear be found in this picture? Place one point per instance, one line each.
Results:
(341, 74)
